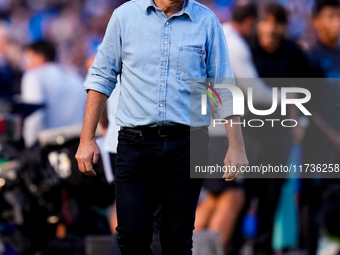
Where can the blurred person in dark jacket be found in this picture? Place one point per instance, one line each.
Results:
(322, 142)
(274, 57)
(8, 76)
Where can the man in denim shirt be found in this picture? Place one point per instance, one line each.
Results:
(154, 48)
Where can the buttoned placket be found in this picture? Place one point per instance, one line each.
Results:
(164, 62)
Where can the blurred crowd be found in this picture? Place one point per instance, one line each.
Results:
(46, 48)
(76, 27)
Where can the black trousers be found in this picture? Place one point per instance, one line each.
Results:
(149, 167)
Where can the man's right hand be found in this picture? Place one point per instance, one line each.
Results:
(87, 155)
(88, 151)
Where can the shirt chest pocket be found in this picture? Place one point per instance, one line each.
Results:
(191, 63)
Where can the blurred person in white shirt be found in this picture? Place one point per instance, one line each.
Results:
(237, 32)
(60, 90)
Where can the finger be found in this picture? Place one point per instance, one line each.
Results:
(88, 165)
(238, 174)
(234, 168)
(91, 173)
(95, 158)
(233, 173)
(89, 168)
(81, 166)
(84, 167)
(243, 168)
(229, 174)
(238, 171)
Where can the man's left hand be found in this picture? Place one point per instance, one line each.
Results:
(234, 161)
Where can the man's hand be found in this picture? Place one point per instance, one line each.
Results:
(234, 160)
(87, 155)
(236, 155)
(88, 151)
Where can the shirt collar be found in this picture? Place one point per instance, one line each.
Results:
(187, 7)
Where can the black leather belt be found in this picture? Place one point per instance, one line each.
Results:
(162, 131)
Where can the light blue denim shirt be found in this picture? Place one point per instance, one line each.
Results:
(156, 56)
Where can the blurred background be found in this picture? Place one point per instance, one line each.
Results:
(48, 207)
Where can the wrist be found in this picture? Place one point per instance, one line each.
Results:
(239, 146)
(84, 137)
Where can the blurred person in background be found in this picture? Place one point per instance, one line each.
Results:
(324, 54)
(274, 57)
(238, 32)
(299, 17)
(60, 91)
(6, 72)
(9, 75)
(18, 22)
(225, 200)
(322, 141)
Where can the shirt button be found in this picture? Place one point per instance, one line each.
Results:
(167, 22)
(161, 105)
(164, 63)
(165, 42)
(162, 84)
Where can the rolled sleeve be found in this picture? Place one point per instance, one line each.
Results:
(220, 69)
(102, 75)
(226, 110)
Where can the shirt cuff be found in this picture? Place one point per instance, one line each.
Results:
(226, 111)
(99, 84)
